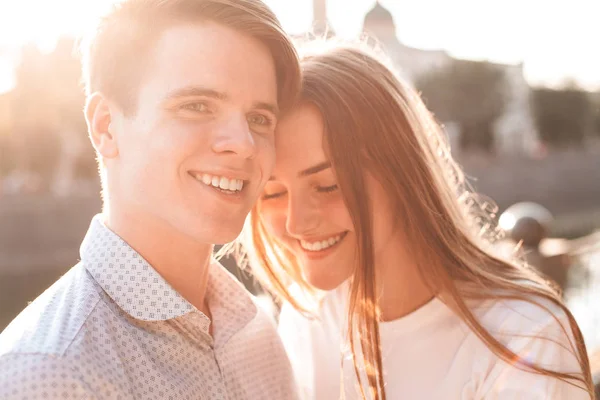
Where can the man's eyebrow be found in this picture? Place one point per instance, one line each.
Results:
(190, 91)
(315, 168)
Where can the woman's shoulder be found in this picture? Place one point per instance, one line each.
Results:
(537, 331)
(534, 328)
(528, 314)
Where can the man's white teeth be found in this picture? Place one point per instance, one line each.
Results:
(320, 245)
(220, 182)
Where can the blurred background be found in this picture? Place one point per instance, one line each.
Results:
(516, 85)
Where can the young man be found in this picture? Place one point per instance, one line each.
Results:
(183, 98)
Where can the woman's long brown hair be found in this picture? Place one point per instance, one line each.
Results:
(373, 120)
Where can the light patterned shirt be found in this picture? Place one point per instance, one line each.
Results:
(113, 328)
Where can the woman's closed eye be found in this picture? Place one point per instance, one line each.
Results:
(272, 192)
(269, 196)
(327, 189)
(318, 189)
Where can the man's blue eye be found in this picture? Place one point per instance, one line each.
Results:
(199, 107)
(259, 119)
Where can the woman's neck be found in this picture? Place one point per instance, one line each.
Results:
(401, 289)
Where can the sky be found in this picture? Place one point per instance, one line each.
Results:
(557, 40)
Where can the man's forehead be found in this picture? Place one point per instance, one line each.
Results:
(214, 57)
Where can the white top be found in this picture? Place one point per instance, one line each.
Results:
(432, 354)
(113, 328)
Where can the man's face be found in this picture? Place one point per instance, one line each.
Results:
(198, 151)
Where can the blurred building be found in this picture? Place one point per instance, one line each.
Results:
(411, 62)
(320, 23)
(514, 131)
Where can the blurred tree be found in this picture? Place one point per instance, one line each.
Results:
(5, 155)
(563, 116)
(5, 128)
(596, 107)
(470, 94)
(78, 155)
(35, 120)
(50, 137)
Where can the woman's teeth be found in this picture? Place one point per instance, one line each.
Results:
(220, 182)
(321, 244)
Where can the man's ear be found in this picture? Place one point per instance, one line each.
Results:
(99, 117)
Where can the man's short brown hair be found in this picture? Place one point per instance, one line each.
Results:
(115, 56)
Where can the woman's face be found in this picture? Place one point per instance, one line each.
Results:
(302, 205)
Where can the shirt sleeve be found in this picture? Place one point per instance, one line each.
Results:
(550, 347)
(36, 376)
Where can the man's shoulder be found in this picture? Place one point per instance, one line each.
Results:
(40, 376)
(51, 322)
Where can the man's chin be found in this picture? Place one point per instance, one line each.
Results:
(223, 233)
(226, 239)
(212, 226)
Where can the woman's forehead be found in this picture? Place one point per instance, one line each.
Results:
(299, 142)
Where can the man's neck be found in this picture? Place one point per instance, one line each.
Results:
(181, 261)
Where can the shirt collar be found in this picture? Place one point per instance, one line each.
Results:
(128, 278)
(140, 291)
(230, 304)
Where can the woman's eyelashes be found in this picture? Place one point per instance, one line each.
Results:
(327, 189)
(318, 189)
(268, 196)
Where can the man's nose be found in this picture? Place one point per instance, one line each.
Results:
(234, 136)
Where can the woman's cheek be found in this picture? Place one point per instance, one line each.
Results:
(336, 209)
(274, 223)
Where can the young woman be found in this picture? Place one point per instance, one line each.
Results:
(368, 213)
